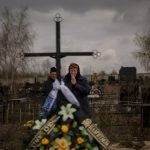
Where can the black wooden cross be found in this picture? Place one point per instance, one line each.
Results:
(58, 54)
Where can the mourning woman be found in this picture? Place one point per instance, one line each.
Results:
(79, 86)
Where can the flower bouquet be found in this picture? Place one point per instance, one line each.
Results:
(63, 132)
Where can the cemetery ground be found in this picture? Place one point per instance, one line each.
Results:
(122, 128)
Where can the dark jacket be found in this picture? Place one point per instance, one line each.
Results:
(80, 90)
(47, 87)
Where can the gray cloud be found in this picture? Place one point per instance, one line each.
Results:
(107, 25)
(77, 5)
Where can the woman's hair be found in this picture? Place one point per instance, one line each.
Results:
(73, 65)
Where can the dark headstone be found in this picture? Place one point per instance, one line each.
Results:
(127, 74)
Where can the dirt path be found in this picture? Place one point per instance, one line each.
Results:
(117, 146)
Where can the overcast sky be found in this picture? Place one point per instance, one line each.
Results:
(106, 25)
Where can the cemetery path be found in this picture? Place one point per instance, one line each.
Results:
(117, 146)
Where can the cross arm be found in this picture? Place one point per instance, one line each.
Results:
(63, 54)
(53, 55)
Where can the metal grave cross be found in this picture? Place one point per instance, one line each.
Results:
(58, 54)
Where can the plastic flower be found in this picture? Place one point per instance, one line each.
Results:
(39, 124)
(64, 128)
(29, 123)
(67, 112)
(84, 132)
(95, 148)
(51, 148)
(80, 140)
(45, 141)
(62, 144)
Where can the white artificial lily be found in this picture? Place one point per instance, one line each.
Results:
(39, 124)
(67, 112)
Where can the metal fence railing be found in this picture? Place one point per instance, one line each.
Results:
(117, 121)
(18, 110)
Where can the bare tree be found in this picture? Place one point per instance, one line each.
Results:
(102, 72)
(143, 54)
(46, 66)
(114, 72)
(15, 38)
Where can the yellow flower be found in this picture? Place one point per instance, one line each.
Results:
(80, 140)
(64, 128)
(29, 123)
(45, 141)
(62, 144)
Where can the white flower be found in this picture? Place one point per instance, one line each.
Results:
(67, 112)
(39, 124)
